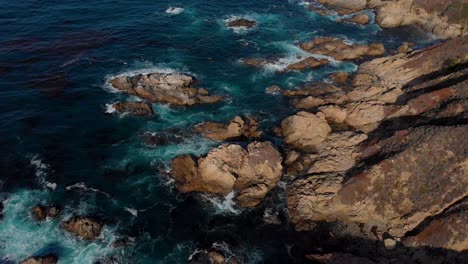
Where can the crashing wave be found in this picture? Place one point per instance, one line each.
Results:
(174, 10)
(223, 205)
(82, 186)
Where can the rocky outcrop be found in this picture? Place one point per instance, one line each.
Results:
(394, 161)
(48, 259)
(242, 22)
(340, 50)
(251, 173)
(361, 19)
(133, 108)
(308, 63)
(42, 212)
(238, 128)
(339, 77)
(83, 227)
(444, 19)
(169, 88)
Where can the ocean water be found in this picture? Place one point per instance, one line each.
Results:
(60, 145)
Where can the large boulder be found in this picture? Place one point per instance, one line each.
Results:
(237, 128)
(340, 50)
(169, 88)
(47, 259)
(305, 131)
(251, 173)
(83, 227)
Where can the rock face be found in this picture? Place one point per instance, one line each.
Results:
(443, 18)
(41, 212)
(394, 159)
(134, 108)
(237, 128)
(251, 173)
(242, 23)
(339, 50)
(169, 88)
(84, 227)
(48, 259)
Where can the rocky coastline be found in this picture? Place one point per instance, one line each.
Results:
(373, 164)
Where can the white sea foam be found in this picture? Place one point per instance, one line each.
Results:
(174, 10)
(41, 171)
(132, 211)
(82, 186)
(110, 109)
(223, 205)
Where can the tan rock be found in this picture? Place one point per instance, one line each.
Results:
(48, 259)
(308, 63)
(339, 77)
(237, 128)
(305, 131)
(83, 227)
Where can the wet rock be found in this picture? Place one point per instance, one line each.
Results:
(169, 88)
(242, 23)
(47, 259)
(339, 77)
(238, 128)
(83, 227)
(134, 108)
(305, 131)
(339, 50)
(251, 173)
(157, 139)
(41, 212)
(123, 242)
(274, 89)
(361, 19)
(308, 63)
(255, 62)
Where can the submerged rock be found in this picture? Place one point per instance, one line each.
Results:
(134, 108)
(123, 242)
(164, 138)
(242, 22)
(339, 50)
(246, 127)
(251, 173)
(274, 89)
(169, 88)
(47, 259)
(41, 212)
(84, 227)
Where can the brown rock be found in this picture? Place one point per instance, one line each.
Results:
(339, 77)
(170, 88)
(255, 62)
(41, 212)
(237, 128)
(339, 258)
(274, 89)
(362, 19)
(308, 63)
(48, 259)
(339, 50)
(305, 131)
(133, 108)
(345, 6)
(250, 173)
(216, 257)
(83, 227)
(242, 23)
(405, 48)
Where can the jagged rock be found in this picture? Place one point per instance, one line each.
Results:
(170, 88)
(395, 194)
(84, 227)
(339, 50)
(250, 172)
(339, 77)
(444, 19)
(274, 89)
(41, 212)
(133, 108)
(242, 23)
(237, 128)
(305, 131)
(308, 63)
(340, 258)
(47, 259)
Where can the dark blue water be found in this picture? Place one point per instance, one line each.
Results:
(55, 58)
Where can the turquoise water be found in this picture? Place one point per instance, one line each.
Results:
(55, 59)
